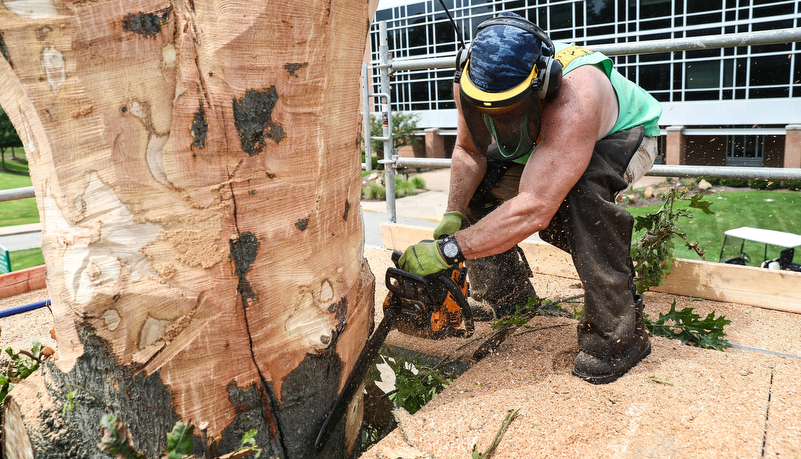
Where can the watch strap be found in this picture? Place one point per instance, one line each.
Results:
(458, 258)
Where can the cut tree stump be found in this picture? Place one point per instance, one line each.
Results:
(196, 170)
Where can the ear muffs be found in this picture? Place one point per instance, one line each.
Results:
(551, 79)
(462, 56)
(549, 69)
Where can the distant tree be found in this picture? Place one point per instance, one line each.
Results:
(8, 137)
(404, 127)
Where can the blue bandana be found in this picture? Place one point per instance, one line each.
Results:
(502, 57)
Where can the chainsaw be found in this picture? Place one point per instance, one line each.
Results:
(432, 307)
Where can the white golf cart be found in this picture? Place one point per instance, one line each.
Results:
(738, 240)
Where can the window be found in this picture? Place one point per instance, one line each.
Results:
(702, 75)
(745, 150)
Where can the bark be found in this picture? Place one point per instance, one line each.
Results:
(196, 169)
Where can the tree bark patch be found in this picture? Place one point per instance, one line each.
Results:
(146, 24)
(244, 249)
(253, 119)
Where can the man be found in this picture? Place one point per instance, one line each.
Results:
(548, 134)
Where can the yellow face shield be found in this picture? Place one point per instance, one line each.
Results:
(503, 125)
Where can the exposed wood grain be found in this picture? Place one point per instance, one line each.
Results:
(195, 165)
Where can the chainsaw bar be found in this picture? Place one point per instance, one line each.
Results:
(430, 307)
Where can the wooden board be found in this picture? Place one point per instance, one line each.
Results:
(780, 290)
(22, 281)
(765, 288)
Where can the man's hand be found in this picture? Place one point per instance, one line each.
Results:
(451, 223)
(423, 259)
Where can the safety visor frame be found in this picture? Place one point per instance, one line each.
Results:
(493, 102)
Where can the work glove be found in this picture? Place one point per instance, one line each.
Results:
(451, 223)
(423, 259)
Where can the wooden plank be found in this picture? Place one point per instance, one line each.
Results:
(22, 281)
(766, 288)
(780, 290)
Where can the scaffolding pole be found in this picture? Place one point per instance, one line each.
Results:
(767, 37)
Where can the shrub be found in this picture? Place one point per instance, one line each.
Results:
(763, 184)
(793, 185)
(374, 191)
(418, 182)
(735, 183)
(404, 188)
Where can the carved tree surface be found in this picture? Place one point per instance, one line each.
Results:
(196, 170)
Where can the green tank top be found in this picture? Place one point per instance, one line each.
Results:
(635, 106)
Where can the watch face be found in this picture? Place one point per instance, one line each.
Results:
(450, 249)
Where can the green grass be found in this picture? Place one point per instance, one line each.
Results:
(21, 211)
(21, 259)
(732, 210)
(13, 163)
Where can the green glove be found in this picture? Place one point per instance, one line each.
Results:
(451, 223)
(423, 259)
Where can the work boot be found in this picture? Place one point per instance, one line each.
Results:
(603, 370)
(499, 284)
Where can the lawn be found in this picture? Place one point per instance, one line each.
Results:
(774, 210)
(21, 259)
(21, 211)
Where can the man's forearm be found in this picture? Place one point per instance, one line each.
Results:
(467, 171)
(504, 227)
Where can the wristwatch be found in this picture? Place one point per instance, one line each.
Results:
(450, 250)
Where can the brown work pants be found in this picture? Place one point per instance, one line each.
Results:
(593, 229)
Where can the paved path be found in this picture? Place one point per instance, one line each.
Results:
(21, 237)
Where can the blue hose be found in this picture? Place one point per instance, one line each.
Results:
(26, 308)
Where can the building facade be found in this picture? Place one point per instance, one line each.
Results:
(732, 106)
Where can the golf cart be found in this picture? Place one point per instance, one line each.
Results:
(737, 240)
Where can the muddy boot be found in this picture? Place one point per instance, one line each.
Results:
(603, 370)
(499, 284)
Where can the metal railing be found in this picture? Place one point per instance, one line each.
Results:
(387, 66)
(17, 193)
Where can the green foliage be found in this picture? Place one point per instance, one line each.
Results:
(404, 125)
(534, 307)
(418, 182)
(734, 183)
(249, 443)
(22, 364)
(8, 135)
(71, 403)
(374, 191)
(179, 441)
(652, 253)
(764, 184)
(117, 439)
(403, 188)
(412, 391)
(793, 185)
(775, 210)
(685, 326)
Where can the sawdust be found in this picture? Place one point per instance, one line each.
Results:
(19, 331)
(196, 243)
(680, 401)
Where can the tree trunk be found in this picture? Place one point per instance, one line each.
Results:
(196, 169)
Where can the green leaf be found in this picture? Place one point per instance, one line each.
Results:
(685, 326)
(117, 439)
(179, 441)
(697, 202)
